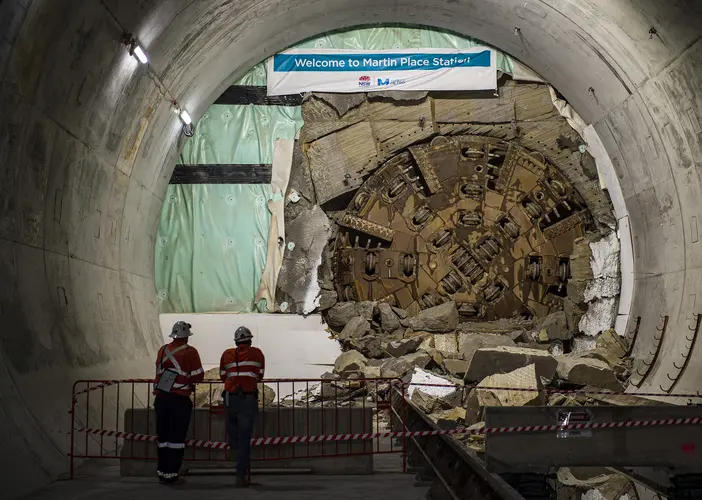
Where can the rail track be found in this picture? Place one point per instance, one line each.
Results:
(454, 471)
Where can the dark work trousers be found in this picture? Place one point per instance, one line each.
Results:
(172, 421)
(241, 417)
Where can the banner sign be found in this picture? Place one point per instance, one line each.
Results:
(335, 70)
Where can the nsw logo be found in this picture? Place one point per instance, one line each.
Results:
(364, 81)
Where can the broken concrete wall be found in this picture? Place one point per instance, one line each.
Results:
(602, 293)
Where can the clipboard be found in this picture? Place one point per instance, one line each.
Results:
(168, 378)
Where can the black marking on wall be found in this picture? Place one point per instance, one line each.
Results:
(250, 94)
(221, 174)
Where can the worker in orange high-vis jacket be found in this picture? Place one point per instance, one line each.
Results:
(178, 368)
(241, 369)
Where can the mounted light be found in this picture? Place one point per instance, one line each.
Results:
(134, 48)
(185, 117)
(139, 53)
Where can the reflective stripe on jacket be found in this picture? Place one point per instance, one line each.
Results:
(184, 359)
(242, 367)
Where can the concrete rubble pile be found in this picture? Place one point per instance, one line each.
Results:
(501, 363)
(379, 343)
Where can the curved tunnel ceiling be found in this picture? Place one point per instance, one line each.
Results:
(89, 141)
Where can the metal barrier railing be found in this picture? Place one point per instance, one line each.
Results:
(114, 419)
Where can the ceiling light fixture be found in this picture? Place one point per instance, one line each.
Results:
(134, 48)
(139, 53)
(185, 117)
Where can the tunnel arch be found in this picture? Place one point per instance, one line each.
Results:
(89, 141)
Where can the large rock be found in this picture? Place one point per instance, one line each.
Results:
(327, 299)
(474, 412)
(597, 483)
(449, 419)
(580, 269)
(532, 345)
(457, 367)
(431, 403)
(446, 342)
(592, 372)
(401, 313)
(436, 355)
(521, 378)
(555, 326)
(574, 313)
(503, 359)
(207, 395)
(418, 359)
(399, 348)
(370, 346)
(365, 309)
(350, 363)
(440, 319)
(601, 355)
(428, 403)
(370, 371)
(340, 314)
(266, 395)
(356, 328)
(469, 343)
(613, 344)
(389, 321)
(395, 368)
(433, 386)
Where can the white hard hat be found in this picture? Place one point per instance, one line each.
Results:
(242, 334)
(181, 330)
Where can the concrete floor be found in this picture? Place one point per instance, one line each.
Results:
(105, 484)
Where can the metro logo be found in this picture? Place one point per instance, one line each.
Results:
(388, 81)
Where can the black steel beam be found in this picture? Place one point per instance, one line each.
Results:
(221, 174)
(250, 94)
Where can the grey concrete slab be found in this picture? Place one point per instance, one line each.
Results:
(537, 452)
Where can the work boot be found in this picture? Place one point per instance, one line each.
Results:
(171, 479)
(242, 482)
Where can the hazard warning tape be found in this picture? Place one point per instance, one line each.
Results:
(263, 441)
(583, 392)
(108, 383)
(455, 386)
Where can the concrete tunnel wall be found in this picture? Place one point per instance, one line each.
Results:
(88, 141)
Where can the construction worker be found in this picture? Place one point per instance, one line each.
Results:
(241, 369)
(178, 368)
